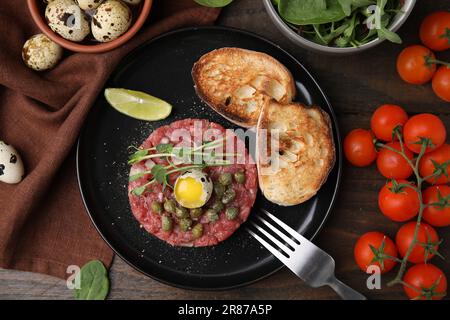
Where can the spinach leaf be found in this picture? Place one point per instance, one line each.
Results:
(305, 12)
(94, 283)
(214, 3)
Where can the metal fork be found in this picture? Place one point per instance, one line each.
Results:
(306, 260)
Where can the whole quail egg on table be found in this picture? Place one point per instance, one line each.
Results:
(11, 165)
(40, 53)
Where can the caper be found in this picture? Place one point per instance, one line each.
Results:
(228, 196)
(166, 223)
(225, 179)
(156, 207)
(185, 224)
(197, 230)
(219, 189)
(217, 206)
(212, 215)
(231, 213)
(239, 176)
(170, 206)
(196, 213)
(181, 212)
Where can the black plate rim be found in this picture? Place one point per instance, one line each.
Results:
(338, 163)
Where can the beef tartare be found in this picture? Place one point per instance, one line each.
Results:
(192, 183)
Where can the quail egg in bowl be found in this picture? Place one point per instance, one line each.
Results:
(193, 189)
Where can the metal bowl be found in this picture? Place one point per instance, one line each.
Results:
(398, 21)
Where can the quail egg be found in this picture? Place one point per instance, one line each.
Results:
(111, 20)
(132, 2)
(88, 4)
(40, 53)
(11, 165)
(67, 19)
(193, 189)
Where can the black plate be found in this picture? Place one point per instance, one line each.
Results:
(162, 67)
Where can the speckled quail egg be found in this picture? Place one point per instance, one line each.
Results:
(111, 20)
(40, 53)
(67, 19)
(132, 2)
(11, 165)
(193, 189)
(88, 4)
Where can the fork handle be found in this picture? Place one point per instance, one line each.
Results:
(344, 291)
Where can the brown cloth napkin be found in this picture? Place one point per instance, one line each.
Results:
(43, 224)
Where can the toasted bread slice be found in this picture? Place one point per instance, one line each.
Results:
(236, 83)
(295, 152)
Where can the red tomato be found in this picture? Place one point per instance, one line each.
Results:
(438, 215)
(427, 238)
(375, 249)
(359, 148)
(424, 125)
(398, 202)
(392, 165)
(441, 83)
(435, 31)
(425, 282)
(385, 119)
(413, 66)
(438, 156)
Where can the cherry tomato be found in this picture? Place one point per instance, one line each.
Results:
(413, 65)
(385, 119)
(398, 202)
(427, 238)
(430, 163)
(375, 249)
(441, 83)
(359, 148)
(435, 31)
(438, 214)
(424, 125)
(392, 165)
(425, 282)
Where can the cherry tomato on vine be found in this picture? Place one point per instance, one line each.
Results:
(424, 126)
(393, 165)
(436, 161)
(399, 202)
(359, 148)
(441, 83)
(435, 31)
(414, 64)
(437, 199)
(375, 249)
(427, 242)
(425, 282)
(385, 119)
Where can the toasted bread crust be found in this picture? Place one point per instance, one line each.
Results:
(307, 152)
(237, 83)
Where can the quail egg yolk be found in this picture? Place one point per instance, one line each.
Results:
(192, 190)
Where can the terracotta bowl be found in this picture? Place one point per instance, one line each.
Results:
(37, 8)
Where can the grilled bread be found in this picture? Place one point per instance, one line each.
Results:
(295, 152)
(236, 83)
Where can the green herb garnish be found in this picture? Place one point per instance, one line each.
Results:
(94, 282)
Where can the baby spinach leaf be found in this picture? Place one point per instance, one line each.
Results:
(304, 12)
(214, 3)
(94, 283)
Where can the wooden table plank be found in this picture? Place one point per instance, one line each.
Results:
(355, 86)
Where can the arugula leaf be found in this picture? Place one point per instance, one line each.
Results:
(94, 282)
(346, 6)
(214, 3)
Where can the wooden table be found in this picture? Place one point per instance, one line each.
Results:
(356, 85)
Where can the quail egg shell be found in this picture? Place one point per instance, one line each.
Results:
(11, 165)
(67, 19)
(193, 189)
(88, 4)
(112, 19)
(40, 53)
